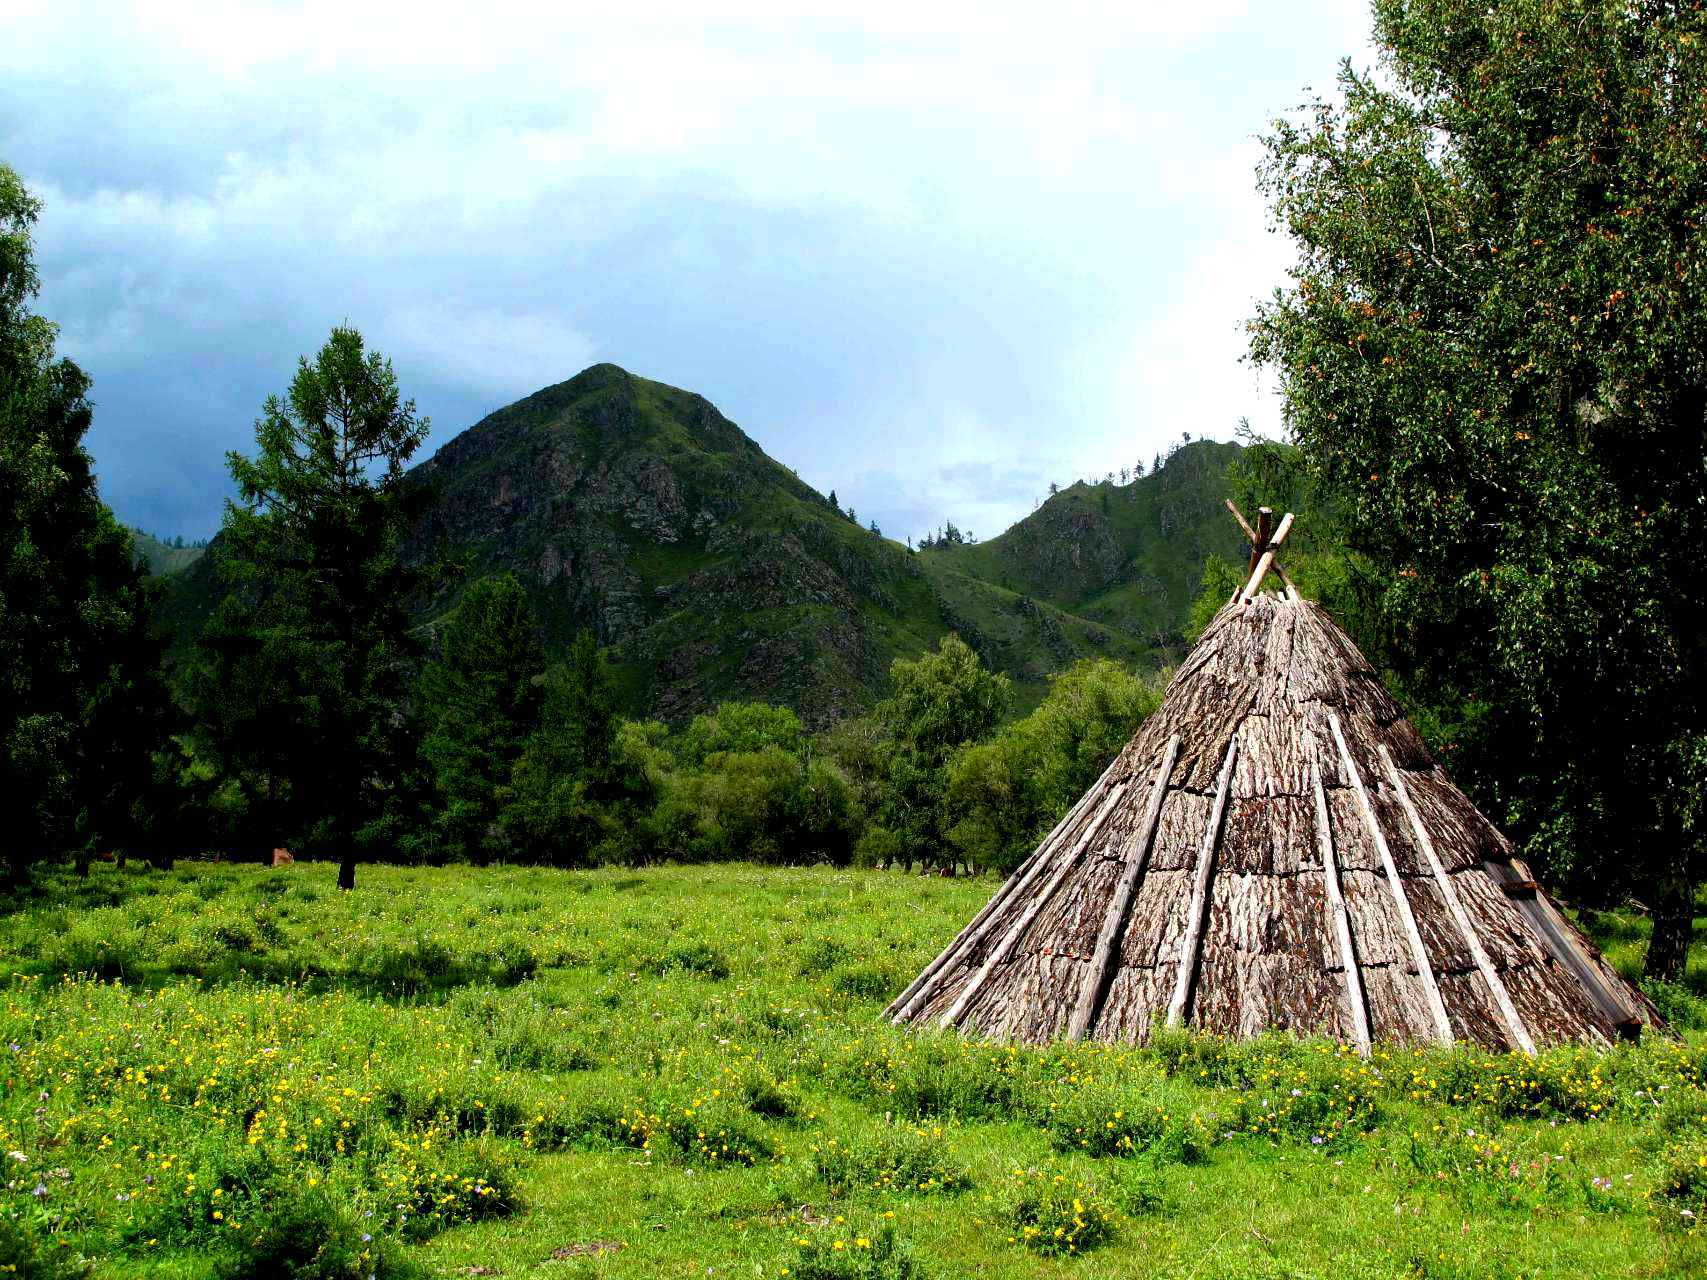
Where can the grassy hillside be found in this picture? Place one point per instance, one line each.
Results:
(164, 557)
(1125, 557)
(680, 1071)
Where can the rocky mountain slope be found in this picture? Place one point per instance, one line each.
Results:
(713, 572)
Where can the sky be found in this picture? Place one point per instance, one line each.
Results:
(931, 256)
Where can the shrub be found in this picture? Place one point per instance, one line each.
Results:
(906, 1159)
(1683, 1184)
(919, 1077)
(24, 1257)
(1053, 1213)
(874, 1254)
(1098, 1118)
(767, 1096)
(469, 1182)
(710, 1130)
(307, 1235)
(696, 957)
(866, 981)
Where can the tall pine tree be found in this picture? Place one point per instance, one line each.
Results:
(315, 627)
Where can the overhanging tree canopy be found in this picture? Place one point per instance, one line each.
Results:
(1494, 355)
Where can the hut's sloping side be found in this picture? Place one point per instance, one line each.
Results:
(1303, 864)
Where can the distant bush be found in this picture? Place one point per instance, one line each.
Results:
(1004, 794)
(1102, 1118)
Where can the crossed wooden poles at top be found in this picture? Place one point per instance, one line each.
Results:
(1265, 541)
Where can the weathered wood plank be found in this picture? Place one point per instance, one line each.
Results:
(1514, 1024)
(1341, 922)
(1114, 923)
(1267, 558)
(1200, 891)
(1419, 956)
(905, 1004)
(973, 987)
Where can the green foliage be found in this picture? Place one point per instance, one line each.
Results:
(82, 709)
(769, 805)
(24, 1256)
(1490, 358)
(1002, 796)
(308, 1235)
(910, 1160)
(575, 784)
(481, 699)
(671, 1045)
(942, 702)
(1097, 1117)
(740, 726)
(1053, 1213)
(302, 692)
(842, 1254)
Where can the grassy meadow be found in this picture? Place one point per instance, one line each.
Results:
(229, 1071)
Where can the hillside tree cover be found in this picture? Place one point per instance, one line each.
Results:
(572, 788)
(82, 712)
(1003, 795)
(942, 701)
(1494, 357)
(309, 659)
(481, 696)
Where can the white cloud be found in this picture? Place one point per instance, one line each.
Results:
(959, 233)
(491, 351)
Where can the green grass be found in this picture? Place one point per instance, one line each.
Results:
(680, 1071)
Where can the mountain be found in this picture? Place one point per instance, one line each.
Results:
(1126, 557)
(713, 572)
(164, 557)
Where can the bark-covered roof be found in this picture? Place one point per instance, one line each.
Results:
(1276, 849)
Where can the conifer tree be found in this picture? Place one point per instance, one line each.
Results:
(481, 696)
(317, 607)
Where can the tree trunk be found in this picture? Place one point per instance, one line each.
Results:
(347, 872)
(1674, 922)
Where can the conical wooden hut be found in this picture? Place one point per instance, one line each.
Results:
(1275, 848)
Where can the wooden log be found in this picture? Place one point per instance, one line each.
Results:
(1291, 586)
(1521, 890)
(1502, 998)
(1243, 523)
(1267, 559)
(1419, 954)
(1340, 921)
(1199, 905)
(1120, 903)
(906, 1004)
(976, 984)
(1259, 544)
